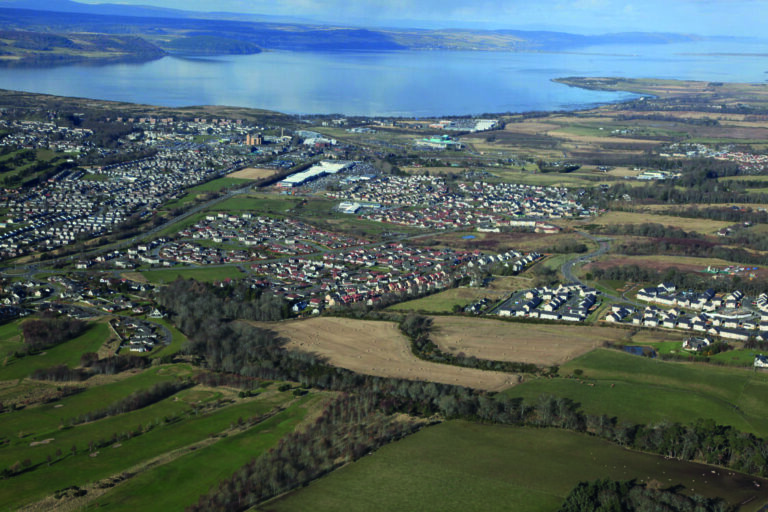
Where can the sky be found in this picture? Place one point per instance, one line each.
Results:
(706, 17)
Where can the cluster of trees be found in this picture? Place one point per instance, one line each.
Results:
(614, 496)
(688, 247)
(113, 364)
(134, 401)
(43, 333)
(200, 306)
(646, 229)
(91, 365)
(349, 428)
(726, 214)
(682, 280)
(418, 329)
(60, 373)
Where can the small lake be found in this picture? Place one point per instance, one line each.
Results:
(402, 83)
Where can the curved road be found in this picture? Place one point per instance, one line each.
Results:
(604, 244)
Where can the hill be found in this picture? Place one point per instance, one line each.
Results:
(19, 47)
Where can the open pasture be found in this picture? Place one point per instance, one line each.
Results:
(468, 466)
(642, 390)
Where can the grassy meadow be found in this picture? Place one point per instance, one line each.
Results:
(642, 390)
(459, 466)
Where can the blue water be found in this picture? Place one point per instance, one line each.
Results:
(409, 83)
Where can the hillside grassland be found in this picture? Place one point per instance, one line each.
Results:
(67, 353)
(642, 390)
(458, 466)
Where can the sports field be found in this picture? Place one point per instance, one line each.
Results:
(459, 466)
(378, 348)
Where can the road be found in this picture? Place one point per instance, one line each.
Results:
(604, 245)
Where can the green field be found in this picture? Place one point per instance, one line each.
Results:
(642, 390)
(459, 466)
(67, 353)
(153, 437)
(10, 337)
(216, 185)
(42, 421)
(179, 483)
(177, 339)
(444, 302)
(200, 274)
(258, 203)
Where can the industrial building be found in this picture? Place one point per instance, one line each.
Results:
(315, 172)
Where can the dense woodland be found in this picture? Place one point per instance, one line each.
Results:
(613, 496)
(43, 333)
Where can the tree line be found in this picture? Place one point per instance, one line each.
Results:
(348, 428)
(615, 496)
(134, 401)
(682, 280)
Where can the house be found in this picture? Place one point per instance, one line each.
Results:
(761, 361)
(696, 344)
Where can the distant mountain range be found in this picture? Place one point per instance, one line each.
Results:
(140, 11)
(179, 31)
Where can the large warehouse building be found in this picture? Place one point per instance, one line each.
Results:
(316, 171)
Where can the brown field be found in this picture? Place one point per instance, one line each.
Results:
(378, 348)
(135, 276)
(435, 170)
(663, 263)
(665, 207)
(519, 342)
(704, 226)
(510, 283)
(252, 173)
